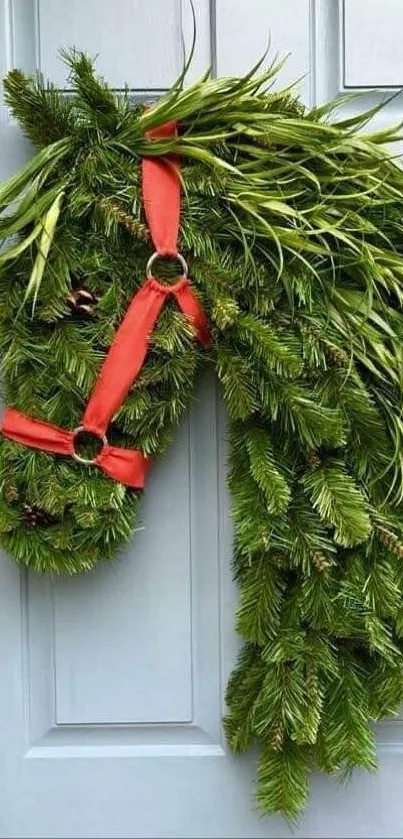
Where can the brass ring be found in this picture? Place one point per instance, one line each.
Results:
(156, 255)
(86, 461)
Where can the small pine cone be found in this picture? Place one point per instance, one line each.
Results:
(277, 737)
(34, 516)
(314, 461)
(311, 681)
(82, 301)
(339, 356)
(10, 491)
(320, 561)
(391, 541)
(121, 216)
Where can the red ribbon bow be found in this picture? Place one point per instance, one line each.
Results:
(161, 196)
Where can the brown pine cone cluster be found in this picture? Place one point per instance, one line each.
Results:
(34, 516)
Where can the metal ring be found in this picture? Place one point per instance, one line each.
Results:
(157, 255)
(86, 461)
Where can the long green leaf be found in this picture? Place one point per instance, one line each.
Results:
(48, 231)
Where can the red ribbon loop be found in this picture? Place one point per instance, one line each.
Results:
(161, 194)
(126, 465)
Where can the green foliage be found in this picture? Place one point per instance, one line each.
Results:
(259, 609)
(338, 502)
(283, 780)
(43, 114)
(265, 471)
(291, 221)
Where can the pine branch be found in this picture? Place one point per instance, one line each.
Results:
(233, 372)
(259, 609)
(115, 213)
(44, 113)
(300, 413)
(339, 503)
(277, 350)
(242, 689)
(265, 470)
(94, 98)
(282, 782)
(347, 739)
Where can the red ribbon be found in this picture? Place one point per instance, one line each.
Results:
(161, 196)
(161, 188)
(126, 465)
(129, 347)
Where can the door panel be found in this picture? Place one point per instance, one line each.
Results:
(137, 44)
(97, 618)
(128, 35)
(246, 30)
(137, 642)
(113, 683)
(371, 37)
(92, 720)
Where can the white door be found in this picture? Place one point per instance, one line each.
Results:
(112, 684)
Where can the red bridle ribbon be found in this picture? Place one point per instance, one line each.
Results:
(161, 197)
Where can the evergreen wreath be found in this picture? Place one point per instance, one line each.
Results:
(292, 222)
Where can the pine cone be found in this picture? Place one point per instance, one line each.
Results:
(320, 561)
(314, 461)
(338, 355)
(390, 540)
(119, 213)
(34, 516)
(277, 737)
(82, 301)
(311, 682)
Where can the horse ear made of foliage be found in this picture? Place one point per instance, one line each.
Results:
(292, 223)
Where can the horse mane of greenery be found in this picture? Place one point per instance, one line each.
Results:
(292, 224)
